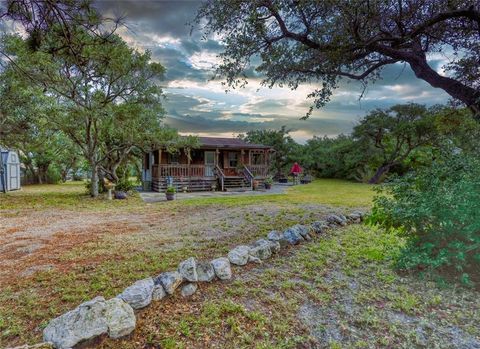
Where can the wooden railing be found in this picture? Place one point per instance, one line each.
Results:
(170, 170)
(248, 176)
(258, 170)
(221, 176)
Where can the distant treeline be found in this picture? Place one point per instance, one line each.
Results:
(385, 142)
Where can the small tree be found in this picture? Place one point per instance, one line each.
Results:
(395, 133)
(105, 85)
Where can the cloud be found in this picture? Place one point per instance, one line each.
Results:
(195, 104)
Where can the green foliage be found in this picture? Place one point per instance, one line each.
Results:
(332, 157)
(285, 147)
(394, 136)
(322, 42)
(125, 184)
(171, 190)
(438, 209)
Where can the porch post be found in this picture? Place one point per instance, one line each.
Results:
(159, 170)
(187, 152)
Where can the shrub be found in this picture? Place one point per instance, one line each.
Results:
(438, 210)
(170, 190)
(124, 184)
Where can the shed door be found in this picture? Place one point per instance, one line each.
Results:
(209, 163)
(14, 180)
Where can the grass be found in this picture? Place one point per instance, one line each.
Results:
(298, 299)
(334, 192)
(259, 309)
(72, 195)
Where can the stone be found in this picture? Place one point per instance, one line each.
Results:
(252, 259)
(319, 227)
(302, 230)
(158, 292)
(354, 217)
(260, 249)
(170, 280)
(205, 272)
(336, 219)
(222, 269)
(274, 246)
(188, 289)
(120, 318)
(292, 236)
(188, 269)
(85, 322)
(239, 255)
(35, 346)
(277, 236)
(138, 295)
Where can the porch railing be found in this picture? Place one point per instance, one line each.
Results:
(170, 170)
(221, 177)
(258, 170)
(248, 176)
(184, 170)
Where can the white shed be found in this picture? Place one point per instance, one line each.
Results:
(9, 170)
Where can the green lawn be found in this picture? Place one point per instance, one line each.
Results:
(259, 309)
(73, 195)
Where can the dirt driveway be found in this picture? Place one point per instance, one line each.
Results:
(35, 240)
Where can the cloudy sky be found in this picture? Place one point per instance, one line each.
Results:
(197, 105)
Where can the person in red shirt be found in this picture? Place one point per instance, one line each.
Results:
(295, 172)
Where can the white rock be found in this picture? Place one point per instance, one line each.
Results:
(188, 269)
(120, 318)
(205, 272)
(138, 295)
(170, 280)
(222, 269)
(319, 227)
(239, 255)
(277, 236)
(252, 259)
(188, 289)
(292, 236)
(82, 323)
(158, 293)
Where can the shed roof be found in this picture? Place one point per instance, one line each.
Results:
(218, 142)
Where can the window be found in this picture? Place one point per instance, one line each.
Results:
(258, 159)
(173, 158)
(232, 159)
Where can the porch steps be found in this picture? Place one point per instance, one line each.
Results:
(236, 184)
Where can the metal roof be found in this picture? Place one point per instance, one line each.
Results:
(217, 142)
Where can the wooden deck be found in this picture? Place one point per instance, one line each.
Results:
(204, 178)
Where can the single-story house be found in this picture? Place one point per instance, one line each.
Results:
(217, 164)
(9, 170)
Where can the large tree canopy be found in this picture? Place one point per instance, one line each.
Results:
(301, 41)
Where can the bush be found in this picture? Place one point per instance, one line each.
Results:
(438, 210)
(124, 184)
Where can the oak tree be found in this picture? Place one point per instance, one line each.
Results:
(322, 42)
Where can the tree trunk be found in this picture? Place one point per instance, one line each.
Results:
(418, 62)
(382, 170)
(94, 180)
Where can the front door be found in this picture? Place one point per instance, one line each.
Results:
(209, 163)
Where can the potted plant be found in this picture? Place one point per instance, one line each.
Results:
(268, 183)
(170, 193)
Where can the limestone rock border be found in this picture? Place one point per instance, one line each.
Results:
(116, 317)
